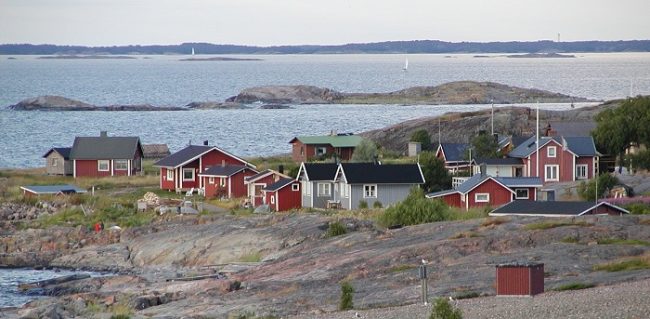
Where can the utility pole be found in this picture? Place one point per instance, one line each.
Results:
(537, 143)
(492, 117)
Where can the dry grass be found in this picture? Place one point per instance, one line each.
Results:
(490, 222)
(465, 234)
(556, 223)
(626, 264)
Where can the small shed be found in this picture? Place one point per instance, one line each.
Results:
(520, 279)
(155, 151)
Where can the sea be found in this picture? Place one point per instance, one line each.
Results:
(167, 81)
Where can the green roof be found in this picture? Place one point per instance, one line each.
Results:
(334, 140)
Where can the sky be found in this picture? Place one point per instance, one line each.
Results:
(293, 22)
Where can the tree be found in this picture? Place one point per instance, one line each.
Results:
(436, 176)
(366, 151)
(423, 137)
(484, 146)
(604, 182)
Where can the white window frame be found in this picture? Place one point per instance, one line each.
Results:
(222, 181)
(188, 179)
(318, 148)
(555, 168)
(170, 175)
(324, 189)
(552, 154)
(345, 192)
(295, 187)
(116, 165)
(370, 191)
(106, 162)
(272, 199)
(486, 200)
(583, 167)
(211, 180)
(522, 189)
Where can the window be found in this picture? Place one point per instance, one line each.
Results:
(211, 180)
(222, 181)
(306, 188)
(521, 193)
(320, 151)
(482, 197)
(551, 151)
(369, 191)
(102, 165)
(324, 189)
(121, 165)
(302, 150)
(272, 199)
(581, 171)
(170, 175)
(188, 174)
(295, 187)
(344, 190)
(551, 173)
(55, 162)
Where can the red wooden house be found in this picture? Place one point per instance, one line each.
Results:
(180, 171)
(481, 190)
(258, 182)
(283, 195)
(454, 155)
(226, 181)
(101, 156)
(307, 148)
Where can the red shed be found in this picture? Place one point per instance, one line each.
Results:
(258, 182)
(226, 181)
(283, 195)
(520, 279)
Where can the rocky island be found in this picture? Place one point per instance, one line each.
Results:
(86, 57)
(220, 59)
(59, 103)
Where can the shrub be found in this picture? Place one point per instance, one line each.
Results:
(442, 309)
(377, 204)
(120, 317)
(415, 209)
(620, 241)
(574, 286)
(554, 224)
(587, 191)
(468, 295)
(346, 296)
(363, 204)
(335, 229)
(638, 208)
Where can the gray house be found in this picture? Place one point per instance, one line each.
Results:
(317, 184)
(57, 161)
(370, 182)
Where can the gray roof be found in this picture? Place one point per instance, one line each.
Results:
(478, 179)
(552, 208)
(105, 147)
(573, 128)
(320, 171)
(471, 183)
(579, 145)
(441, 193)
(226, 170)
(371, 173)
(520, 181)
(454, 152)
(53, 189)
(582, 145)
(192, 152)
(500, 161)
(529, 146)
(64, 151)
(155, 150)
(278, 185)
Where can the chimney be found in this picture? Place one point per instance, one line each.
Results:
(103, 134)
(281, 169)
(483, 167)
(205, 142)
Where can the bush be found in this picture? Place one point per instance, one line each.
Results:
(638, 208)
(335, 229)
(120, 317)
(346, 296)
(442, 309)
(377, 204)
(587, 191)
(630, 264)
(415, 209)
(574, 286)
(363, 204)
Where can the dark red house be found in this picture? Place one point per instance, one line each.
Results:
(226, 181)
(283, 195)
(308, 148)
(258, 182)
(180, 171)
(103, 156)
(481, 191)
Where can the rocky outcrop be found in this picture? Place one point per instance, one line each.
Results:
(216, 105)
(462, 92)
(59, 103)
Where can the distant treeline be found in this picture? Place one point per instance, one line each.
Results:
(418, 46)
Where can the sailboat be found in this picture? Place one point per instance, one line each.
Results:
(406, 65)
(192, 51)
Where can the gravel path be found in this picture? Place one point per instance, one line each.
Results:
(626, 300)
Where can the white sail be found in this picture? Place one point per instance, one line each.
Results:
(192, 51)
(406, 64)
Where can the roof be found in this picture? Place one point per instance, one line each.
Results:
(454, 152)
(500, 161)
(104, 147)
(262, 174)
(64, 151)
(334, 140)
(53, 189)
(520, 181)
(582, 128)
(155, 150)
(227, 170)
(441, 193)
(190, 153)
(478, 179)
(471, 183)
(528, 147)
(365, 173)
(581, 145)
(279, 184)
(319, 171)
(550, 208)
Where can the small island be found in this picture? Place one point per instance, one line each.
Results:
(86, 57)
(540, 55)
(220, 59)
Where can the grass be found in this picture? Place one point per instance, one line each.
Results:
(574, 286)
(400, 268)
(251, 257)
(635, 263)
(460, 214)
(555, 224)
(467, 295)
(465, 234)
(620, 241)
(336, 229)
(491, 222)
(570, 240)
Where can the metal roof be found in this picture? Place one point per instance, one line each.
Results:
(226, 170)
(319, 171)
(549, 208)
(366, 173)
(104, 147)
(500, 161)
(530, 146)
(279, 184)
(64, 151)
(53, 189)
(441, 193)
(334, 140)
(520, 181)
(454, 152)
(190, 153)
(581, 145)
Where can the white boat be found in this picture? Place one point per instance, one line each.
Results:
(192, 51)
(406, 65)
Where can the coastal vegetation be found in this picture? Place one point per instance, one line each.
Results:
(436, 176)
(574, 286)
(627, 264)
(442, 309)
(596, 188)
(415, 209)
(347, 291)
(422, 136)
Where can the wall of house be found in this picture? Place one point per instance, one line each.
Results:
(602, 210)
(136, 163)
(259, 199)
(59, 169)
(346, 153)
(286, 198)
(190, 183)
(214, 190)
(88, 168)
(164, 183)
(237, 187)
(387, 194)
(498, 194)
(531, 192)
(589, 161)
(452, 200)
(320, 201)
(216, 157)
(498, 170)
(296, 153)
(563, 158)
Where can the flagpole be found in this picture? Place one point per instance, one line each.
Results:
(537, 142)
